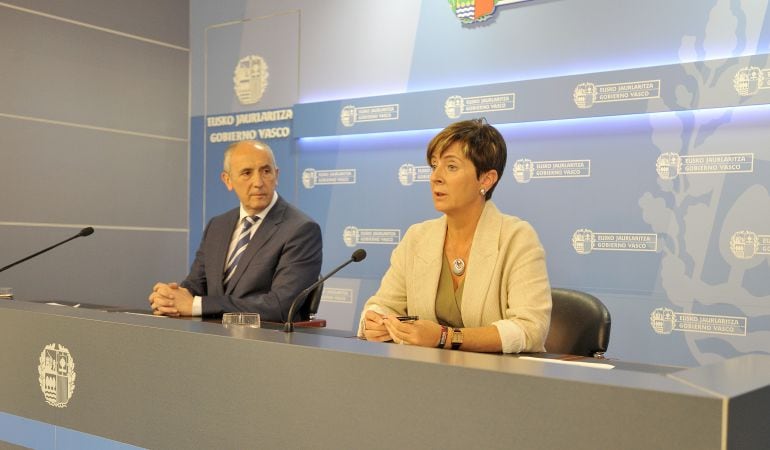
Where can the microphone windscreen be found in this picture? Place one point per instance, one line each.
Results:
(87, 231)
(358, 255)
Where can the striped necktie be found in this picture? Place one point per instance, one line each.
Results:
(240, 247)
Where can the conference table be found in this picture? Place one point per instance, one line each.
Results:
(158, 382)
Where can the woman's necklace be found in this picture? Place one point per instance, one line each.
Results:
(458, 266)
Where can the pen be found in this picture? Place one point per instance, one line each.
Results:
(409, 319)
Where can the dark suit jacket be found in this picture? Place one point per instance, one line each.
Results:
(282, 258)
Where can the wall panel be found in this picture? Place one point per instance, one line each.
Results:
(93, 132)
(160, 20)
(60, 71)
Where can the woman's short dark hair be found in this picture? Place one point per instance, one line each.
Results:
(481, 143)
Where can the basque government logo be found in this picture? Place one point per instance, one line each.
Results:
(408, 174)
(749, 80)
(250, 79)
(470, 11)
(353, 236)
(351, 114)
(312, 177)
(670, 165)
(350, 236)
(308, 178)
(524, 170)
(585, 95)
(585, 241)
(455, 105)
(666, 321)
(348, 115)
(662, 320)
(56, 375)
(745, 244)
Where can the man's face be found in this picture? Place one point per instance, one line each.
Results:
(252, 175)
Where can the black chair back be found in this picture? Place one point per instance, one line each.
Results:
(580, 324)
(310, 306)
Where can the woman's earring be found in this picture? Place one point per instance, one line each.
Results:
(482, 191)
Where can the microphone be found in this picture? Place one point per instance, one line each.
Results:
(357, 256)
(87, 231)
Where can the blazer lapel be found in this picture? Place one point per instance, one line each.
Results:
(481, 267)
(224, 236)
(262, 236)
(427, 270)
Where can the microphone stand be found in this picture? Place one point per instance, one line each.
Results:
(84, 232)
(288, 327)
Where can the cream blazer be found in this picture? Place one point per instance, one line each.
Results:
(506, 283)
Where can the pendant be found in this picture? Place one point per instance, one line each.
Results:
(458, 267)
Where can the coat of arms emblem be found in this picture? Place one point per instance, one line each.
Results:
(250, 79)
(57, 375)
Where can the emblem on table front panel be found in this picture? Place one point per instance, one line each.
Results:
(250, 79)
(56, 375)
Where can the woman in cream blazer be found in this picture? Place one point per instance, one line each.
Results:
(499, 298)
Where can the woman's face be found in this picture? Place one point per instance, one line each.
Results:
(454, 184)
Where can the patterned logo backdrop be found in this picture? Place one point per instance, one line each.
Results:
(649, 186)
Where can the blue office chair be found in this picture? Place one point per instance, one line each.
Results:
(580, 324)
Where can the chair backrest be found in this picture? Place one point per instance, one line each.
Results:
(310, 306)
(580, 324)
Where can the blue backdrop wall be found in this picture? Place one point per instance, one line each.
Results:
(637, 143)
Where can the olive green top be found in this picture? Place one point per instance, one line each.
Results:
(448, 300)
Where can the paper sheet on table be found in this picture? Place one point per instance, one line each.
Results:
(572, 363)
(142, 314)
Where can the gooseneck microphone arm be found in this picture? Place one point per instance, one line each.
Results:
(84, 232)
(357, 256)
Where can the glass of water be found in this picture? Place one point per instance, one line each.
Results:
(6, 293)
(241, 319)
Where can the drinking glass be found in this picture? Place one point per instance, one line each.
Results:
(241, 319)
(6, 293)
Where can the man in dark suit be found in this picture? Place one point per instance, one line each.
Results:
(254, 258)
